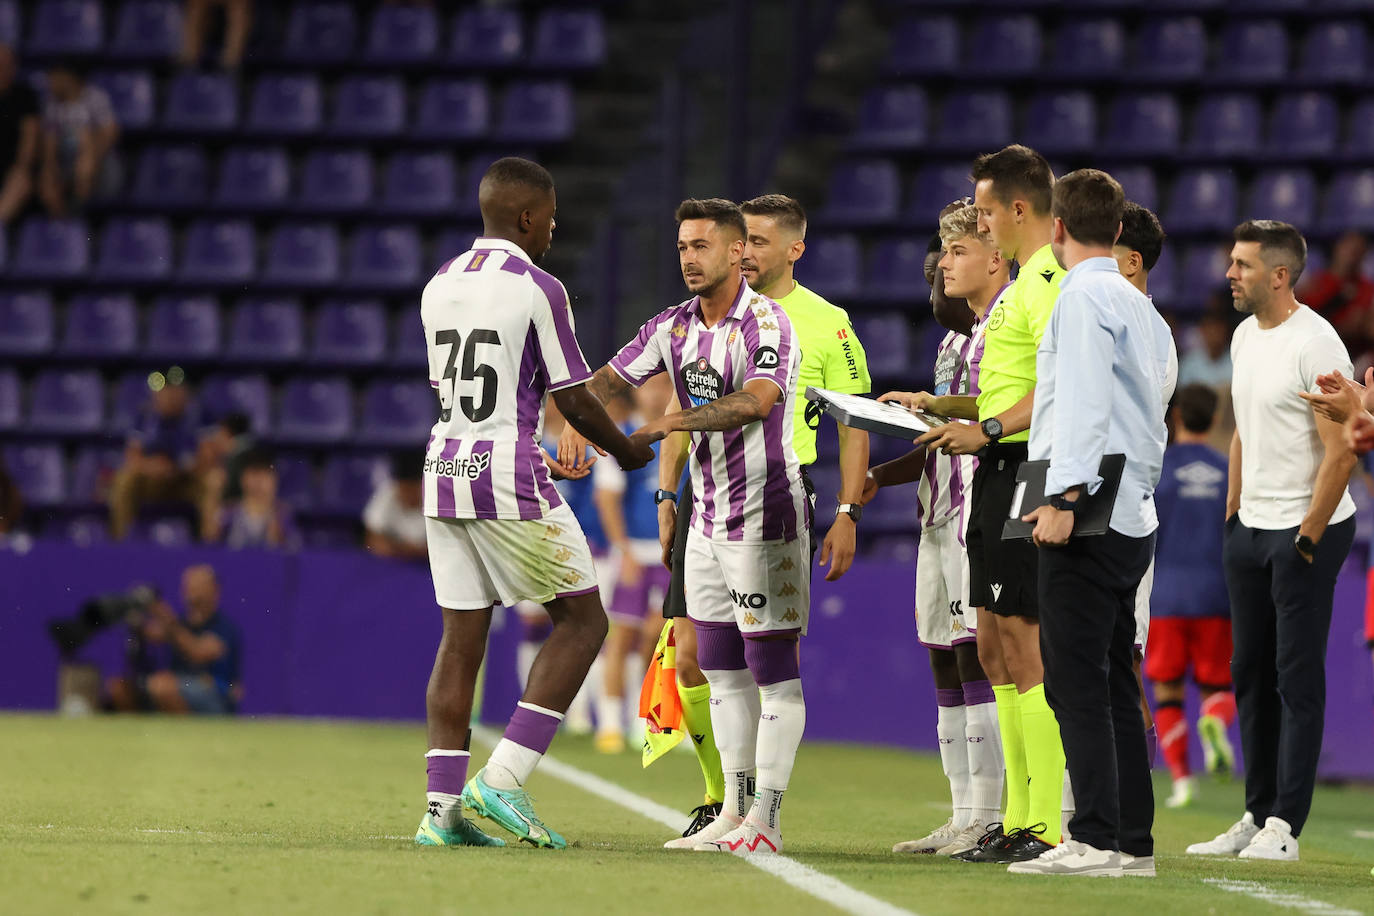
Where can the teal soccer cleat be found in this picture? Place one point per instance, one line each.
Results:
(1219, 756)
(467, 834)
(512, 809)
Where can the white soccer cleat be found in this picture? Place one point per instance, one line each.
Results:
(965, 840)
(1274, 842)
(1236, 838)
(1072, 858)
(937, 839)
(1185, 790)
(1137, 866)
(718, 828)
(748, 837)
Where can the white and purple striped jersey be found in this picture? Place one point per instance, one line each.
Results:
(500, 334)
(746, 482)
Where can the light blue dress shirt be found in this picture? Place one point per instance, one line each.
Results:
(1099, 371)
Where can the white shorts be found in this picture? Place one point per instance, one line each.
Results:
(762, 587)
(1142, 607)
(479, 562)
(944, 618)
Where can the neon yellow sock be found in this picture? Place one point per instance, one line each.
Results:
(696, 715)
(1013, 755)
(1044, 763)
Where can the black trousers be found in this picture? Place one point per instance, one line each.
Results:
(1280, 619)
(1087, 638)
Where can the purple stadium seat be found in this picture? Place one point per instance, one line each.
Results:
(1284, 194)
(1253, 51)
(832, 266)
(408, 347)
(403, 34)
(569, 40)
(201, 103)
(452, 241)
(887, 342)
(453, 109)
(487, 36)
(1203, 273)
(1202, 200)
(1163, 279)
(1273, 6)
(286, 105)
(303, 254)
(67, 401)
(101, 324)
(979, 120)
(26, 323)
(51, 249)
(4, 248)
(348, 481)
(66, 27)
(131, 96)
(925, 45)
(11, 399)
(147, 30)
(1349, 202)
(170, 177)
(1304, 124)
(267, 330)
(419, 183)
(1360, 137)
(863, 192)
(1017, 40)
(369, 106)
(335, 180)
(1171, 49)
(38, 470)
(136, 249)
(896, 271)
(1089, 48)
(295, 480)
(166, 531)
(128, 399)
(91, 470)
(315, 409)
(935, 187)
(1334, 52)
(352, 332)
(1226, 125)
(1139, 183)
(222, 395)
(1061, 122)
(183, 326)
(219, 251)
(320, 32)
(397, 412)
(536, 112)
(10, 22)
(253, 178)
(385, 257)
(892, 118)
(1143, 124)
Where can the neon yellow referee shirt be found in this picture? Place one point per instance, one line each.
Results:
(1013, 337)
(831, 357)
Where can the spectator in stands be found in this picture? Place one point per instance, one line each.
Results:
(221, 455)
(1210, 365)
(160, 457)
(394, 517)
(11, 500)
(257, 518)
(238, 23)
(79, 132)
(1343, 293)
(198, 669)
(19, 131)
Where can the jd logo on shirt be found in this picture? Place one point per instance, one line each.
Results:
(703, 383)
(765, 358)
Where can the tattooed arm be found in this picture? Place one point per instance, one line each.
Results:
(572, 445)
(748, 405)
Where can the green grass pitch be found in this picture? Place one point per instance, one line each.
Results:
(150, 815)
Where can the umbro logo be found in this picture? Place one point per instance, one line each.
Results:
(1049, 276)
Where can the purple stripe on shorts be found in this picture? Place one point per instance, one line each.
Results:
(445, 501)
(483, 495)
(976, 693)
(531, 729)
(447, 773)
(949, 696)
(720, 647)
(772, 661)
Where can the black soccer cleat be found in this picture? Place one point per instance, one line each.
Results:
(1021, 845)
(987, 844)
(702, 816)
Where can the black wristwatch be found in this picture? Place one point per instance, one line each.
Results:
(661, 495)
(853, 510)
(992, 428)
(1305, 546)
(1057, 501)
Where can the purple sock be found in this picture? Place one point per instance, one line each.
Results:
(976, 693)
(949, 696)
(531, 728)
(1152, 744)
(719, 647)
(447, 772)
(771, 661)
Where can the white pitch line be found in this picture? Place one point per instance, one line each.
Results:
(790, 871)
(1362, 834)
(1280, 898)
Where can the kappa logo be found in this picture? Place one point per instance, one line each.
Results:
(762, 312)
(750, 619)
(679, 331)
(791, 616)
(786, 565)
(552, 531)
(996, 590)
(572, 578)
(787, 590)
(767, 326)
(562, 554)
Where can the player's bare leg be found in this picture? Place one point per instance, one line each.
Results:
(610, 719)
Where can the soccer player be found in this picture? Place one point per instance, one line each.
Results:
(1192, 626)
(971, 271)
(500, 334)
(734, 360)
(1012, 189)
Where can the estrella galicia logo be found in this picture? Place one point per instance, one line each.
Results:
(703, 383)
(471, 467)
(765, 358)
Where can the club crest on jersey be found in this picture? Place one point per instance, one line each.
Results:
(471, 467)
(703, 383)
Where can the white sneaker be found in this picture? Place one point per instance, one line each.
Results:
(1275, 842)
(748, 837)
(938, 838)
(1137, 866)
(718, 828)
(1072, 858)
(965, 840)
(1184, 791)
(1236, 838)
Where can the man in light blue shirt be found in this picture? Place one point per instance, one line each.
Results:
(1100, 368)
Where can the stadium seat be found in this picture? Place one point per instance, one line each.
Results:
(1172, 50)
(1139, 183)
(11, 399)
(1304, 124)
(136, 249)
(1089, 48)
(147, 30)
(320, 32)
(1061, 122)
(833, 266)
(253, 178)
(1164, 279)
(892, 118)
(408, 348)
(487, 36)
(334, 180)
(38, 470)
(1143, 125)
(170, 177)
(4, 248)
(536, 112)
(1252, 51)
(182, 327)
(864, 192)
(1360, 137)
(1202, 274)
(92, 468)
(131, 96)
(419, 183)
(286, 105)
(201, 103)
(1289, 195)
(264, 330)
(51, 249)
(397, 412)
(295, 480)
(1271, 6)
(568, 40)
(315, 409)
(303, 254)
(925, 45)
(219, 251)
(66, 27)
(166, 531)
(251, 395)
(402, 34)
(887, 343)
(1349, 202)
(348, 481)
(67, 401)
(101, 324)
(1202, 200)
(1226, 125)
(453, 109)
(373, 107)
(128, 397)
(385, 257)
(1017, 40)
(26, 323)
(350, 332)
(979, 120)
(1334, 52)
(935, 187)
(451, 242)
(10, 22)
(896, 271)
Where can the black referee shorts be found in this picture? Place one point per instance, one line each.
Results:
(1003, 575)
